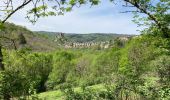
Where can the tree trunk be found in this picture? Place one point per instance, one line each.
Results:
(7, 97)
(1, 60)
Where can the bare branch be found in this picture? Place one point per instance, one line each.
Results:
(131, 11)
(18, 8)
(128, 6)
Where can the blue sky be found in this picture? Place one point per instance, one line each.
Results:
(104, 18)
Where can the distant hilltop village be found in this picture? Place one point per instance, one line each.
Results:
(87, 45)
(64, 42)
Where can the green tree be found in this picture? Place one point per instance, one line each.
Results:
(22, 39)
(61, 68)
(25, 73)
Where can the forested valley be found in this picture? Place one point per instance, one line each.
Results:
(41, 66)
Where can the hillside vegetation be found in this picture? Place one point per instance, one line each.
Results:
(137, 70)
(13, 35)
(90, 37)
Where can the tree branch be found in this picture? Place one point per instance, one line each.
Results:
(151, 16)
(18, 8)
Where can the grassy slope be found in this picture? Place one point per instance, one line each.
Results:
(52, 95)
(40, 43)
(58, 95)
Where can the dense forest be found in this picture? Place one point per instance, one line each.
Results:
(137, 69)
(33, 67)
(77, 37)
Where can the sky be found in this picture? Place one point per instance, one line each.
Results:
(104, 18)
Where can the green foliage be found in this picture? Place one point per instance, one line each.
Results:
(1, 26)
(22, 39)
(70, 67)
(13, 36)
(162, 66)
(61, 67)
(140, 70)
(24, 73)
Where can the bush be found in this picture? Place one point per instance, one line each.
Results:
(24, 71)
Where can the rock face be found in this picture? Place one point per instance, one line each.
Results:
(60, 38)
(103, 45)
